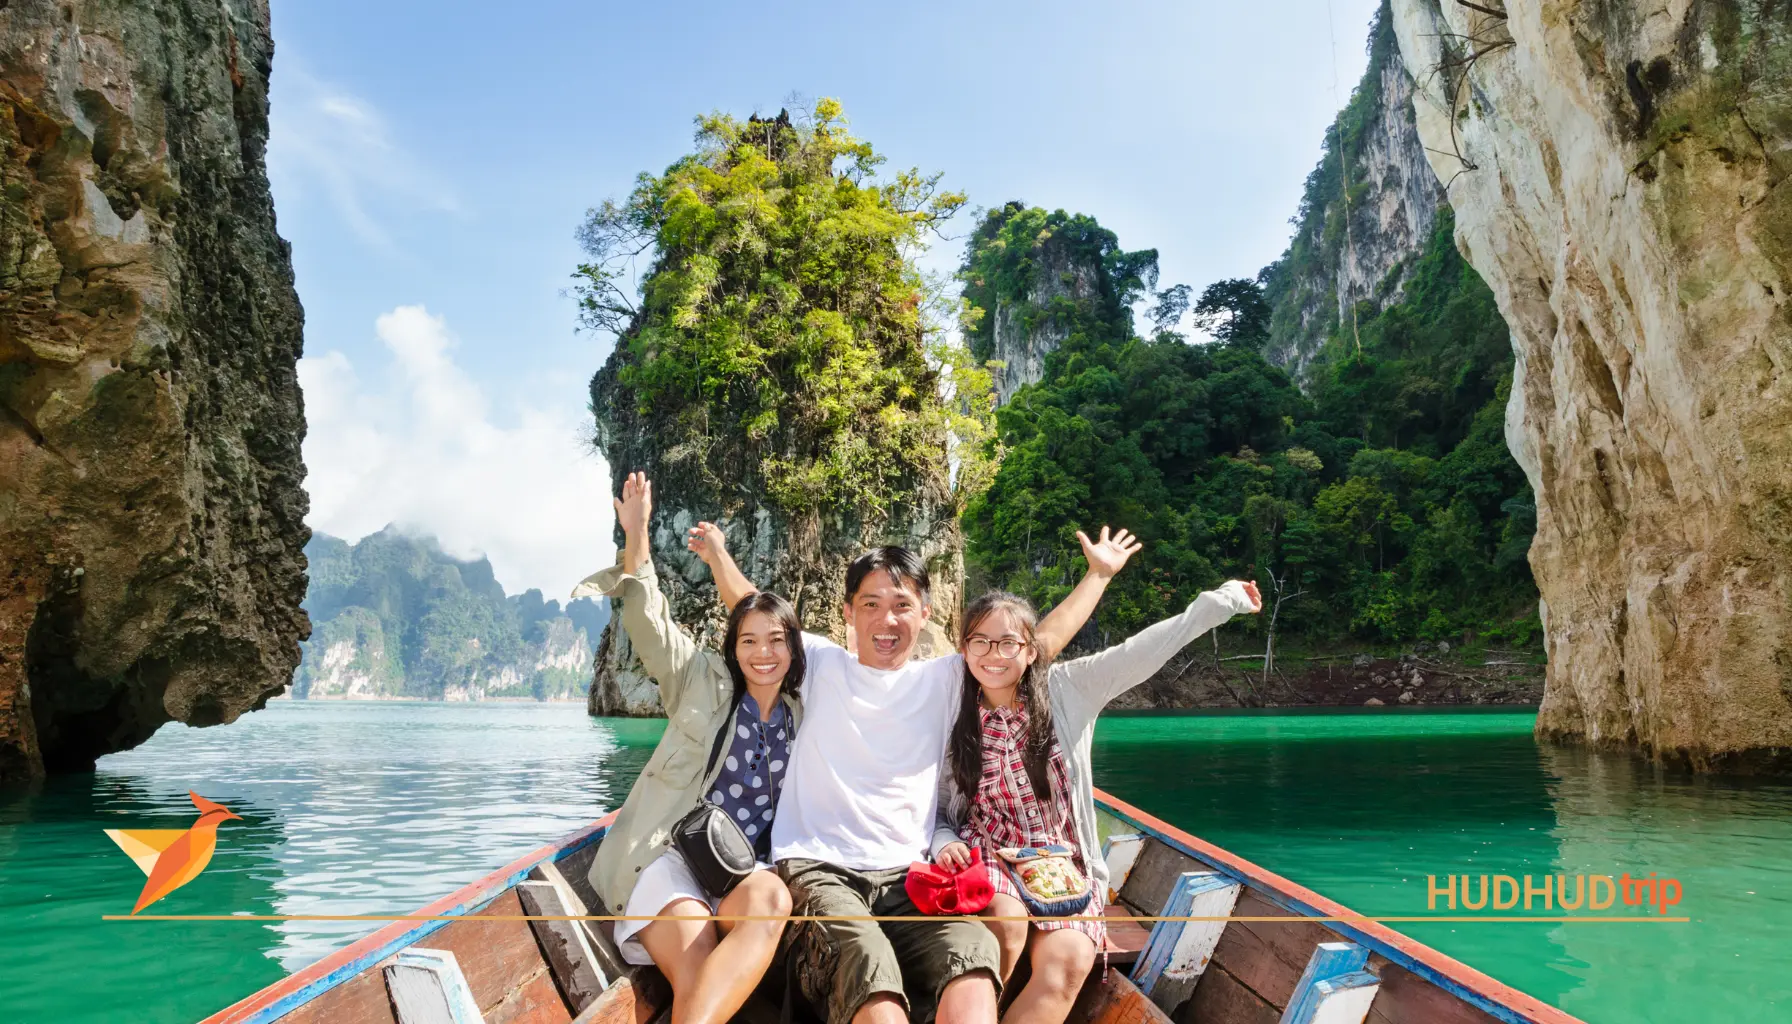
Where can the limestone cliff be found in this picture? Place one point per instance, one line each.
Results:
(777, 371)
(1355, 245)
(1035, 278)
(1619, 176)
(151, 513)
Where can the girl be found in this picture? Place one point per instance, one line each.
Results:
(730, 722)
(1018, 772)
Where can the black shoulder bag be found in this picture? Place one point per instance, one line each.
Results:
(718, 853)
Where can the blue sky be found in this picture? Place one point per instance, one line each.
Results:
(430, 162)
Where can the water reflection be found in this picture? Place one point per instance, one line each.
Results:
(348, 808)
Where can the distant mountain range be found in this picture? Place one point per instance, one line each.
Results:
(394, 616)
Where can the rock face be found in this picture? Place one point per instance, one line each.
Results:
(1619, 176)
(397, 617)
(151, 513)
(803, 557)
(1020, 346)
(1394, 200)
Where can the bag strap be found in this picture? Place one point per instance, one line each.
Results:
(722, 734)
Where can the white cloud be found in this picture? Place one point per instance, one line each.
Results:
(327, 141)
(418, 445)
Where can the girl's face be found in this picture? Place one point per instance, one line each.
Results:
(762, 649)
(983, 650)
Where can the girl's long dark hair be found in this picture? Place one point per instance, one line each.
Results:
(965, 750)
(784, 615)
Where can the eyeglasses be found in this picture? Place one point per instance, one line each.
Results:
(1008, 647)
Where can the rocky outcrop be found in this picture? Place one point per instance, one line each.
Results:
(1346, 252)
(801, 556)
(1019, 338)
(151, 513)
(1619, 176)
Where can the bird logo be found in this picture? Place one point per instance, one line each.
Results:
(172, 857)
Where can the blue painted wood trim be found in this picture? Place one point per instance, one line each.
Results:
(1329, 960)
(280, 1008)
(1355, 979)
(1499, 1011)
(1165, 934)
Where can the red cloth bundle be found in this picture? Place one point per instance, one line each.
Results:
(935, 890)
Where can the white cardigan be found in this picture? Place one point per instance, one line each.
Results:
(1079, 690)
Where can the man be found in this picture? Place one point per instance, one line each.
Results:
(858, 799)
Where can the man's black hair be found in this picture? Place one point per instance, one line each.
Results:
(903, 565)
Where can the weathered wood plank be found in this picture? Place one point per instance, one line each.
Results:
(563, 944)
(609, 963)
(1120, 853)
(1179, 951)
(1118, 1001)
(635, 999)
(1269, 956)
(1222, 999)
(535, 1001)
(1154, 874)
(1126, 939)
(575, 870)
(495, 956)
(359, 1000)
(1406, 998)
(427, 987)
(1345, 999)
(1328, 962)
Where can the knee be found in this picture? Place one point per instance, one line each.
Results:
(1062, 969)
(766, 895)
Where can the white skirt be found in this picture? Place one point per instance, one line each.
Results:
(662, 883)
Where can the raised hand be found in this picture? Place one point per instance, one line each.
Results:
(707, 541)
(1256, 596)
(635, 506)
(1108, 555)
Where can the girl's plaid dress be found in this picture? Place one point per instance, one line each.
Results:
(1006, 813)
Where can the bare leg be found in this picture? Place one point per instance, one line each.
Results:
(1061, 962)
(1011, 936)
(968, 999)
(881, 1008)
(680, 946)
(712, 979)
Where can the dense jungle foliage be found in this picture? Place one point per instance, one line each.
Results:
(1381, 502)
(420, 621)
(780, 314)
(1385, 504)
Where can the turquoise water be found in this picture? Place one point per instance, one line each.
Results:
(1363, 807)
(381, 807)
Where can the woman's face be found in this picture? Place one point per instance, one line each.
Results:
(988, 666)
(762, 649)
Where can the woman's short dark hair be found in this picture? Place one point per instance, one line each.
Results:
(903, 565)
(784, 615)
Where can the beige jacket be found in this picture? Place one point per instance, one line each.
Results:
(698, 695)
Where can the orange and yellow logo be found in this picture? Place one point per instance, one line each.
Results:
(172, 857)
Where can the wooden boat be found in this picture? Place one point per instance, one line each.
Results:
(487, 963)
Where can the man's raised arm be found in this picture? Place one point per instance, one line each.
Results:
(711, 545)
(1106, 557)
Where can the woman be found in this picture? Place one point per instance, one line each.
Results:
(1018, 773)
(731, 718)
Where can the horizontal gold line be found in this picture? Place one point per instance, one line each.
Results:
(1351, 919)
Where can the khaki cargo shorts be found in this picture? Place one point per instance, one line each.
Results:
(838, 965)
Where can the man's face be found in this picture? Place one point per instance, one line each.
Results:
(886, 619)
